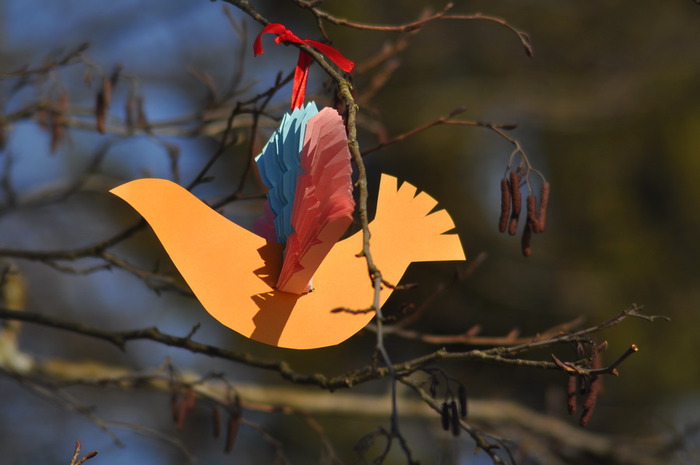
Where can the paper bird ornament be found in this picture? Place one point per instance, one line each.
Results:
(280, 284)
(236, 274)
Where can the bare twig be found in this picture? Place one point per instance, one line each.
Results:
(522, 36)
(499, 355)
(71, 57)
(75, 460)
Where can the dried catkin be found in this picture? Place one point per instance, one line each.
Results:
(445, 416)
(516, 201)
(463, 402)
(505, 205)
(104, 95)
(571, 394)
(544, 202)
(590, 400)
(531, 203)
(57, 121)
(456, 427)
(525, 243)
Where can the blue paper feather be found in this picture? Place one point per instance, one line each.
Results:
(279, 164)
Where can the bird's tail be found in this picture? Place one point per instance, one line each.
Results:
(404, 223)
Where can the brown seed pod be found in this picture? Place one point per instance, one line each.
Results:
(516, 201)
(103, 99)
(505, 205)
(589, 401)
(463, 401)
(107, 91)
(56, 121)
(571, 394)
(525, 243)
(531, 203)
(445, 416)
(544, 202)
(100, 112)
(456, 427)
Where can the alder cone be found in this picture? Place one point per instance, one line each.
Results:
(516, 201)
(505, 205)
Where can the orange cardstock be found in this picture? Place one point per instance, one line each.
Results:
(232, 271)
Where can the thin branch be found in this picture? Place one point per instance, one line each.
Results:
(74, 254)
(498, 355)
(407, 27)
(496, 127)
(472, 338)
(633, 312)
(522, 36)
(478, 437)
(150, 278)
(69, 58)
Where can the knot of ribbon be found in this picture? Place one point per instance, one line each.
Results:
(301, 72)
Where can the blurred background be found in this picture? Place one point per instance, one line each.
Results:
(608, 108)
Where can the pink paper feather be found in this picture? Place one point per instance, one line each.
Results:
(323, 202)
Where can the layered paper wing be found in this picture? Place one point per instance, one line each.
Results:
(323, 204)
(279, 164)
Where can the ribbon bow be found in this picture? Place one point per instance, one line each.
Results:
(301, 72)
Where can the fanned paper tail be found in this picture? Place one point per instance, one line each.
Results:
(407, 224)
(323, 202)
(279, 164)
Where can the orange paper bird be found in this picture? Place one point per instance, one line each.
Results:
(232, 271)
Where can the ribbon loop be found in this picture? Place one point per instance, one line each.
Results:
(301, 72)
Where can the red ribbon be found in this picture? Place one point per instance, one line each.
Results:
(301, 72)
